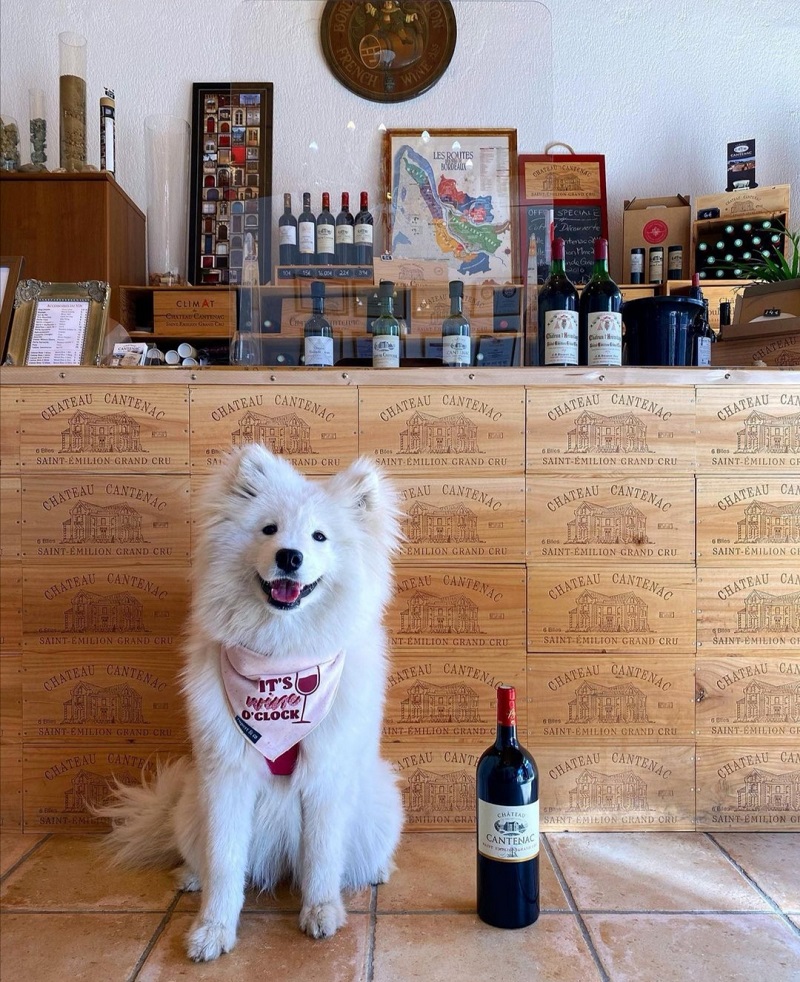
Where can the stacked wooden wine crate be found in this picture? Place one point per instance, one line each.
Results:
(625, 550)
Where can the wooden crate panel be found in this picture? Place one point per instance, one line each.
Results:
(756, 695)
(101, 697)
(104, 429)
(643, 429)
(10, 698)
(452, 699)
(10, 519)
(10, 609)
(443, 430)
(461, 520)
(194, 313)
(617, 699)
(430, 305)
(11, 788)
(437, 784)
(740, 610)
(595, 519)
(748, 787)
(111, 518)
(639, 609)
(623, 788)
(748, 430)
(748, 521)
(467, 609)
(135, 610)
(316, 428)
(9, 429)
(59, 780)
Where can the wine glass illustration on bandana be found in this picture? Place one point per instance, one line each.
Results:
(305, 685)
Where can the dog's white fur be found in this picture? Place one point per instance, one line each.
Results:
(333, 824)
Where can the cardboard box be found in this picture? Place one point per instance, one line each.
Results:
(648, 222)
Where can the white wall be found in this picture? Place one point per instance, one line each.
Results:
(658, 86)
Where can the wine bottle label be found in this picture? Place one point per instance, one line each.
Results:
(305, 235)
(456, 350)
(605, 338)
(362, 234)
(344, 235)
(508, 833)
(561, 337)
(318, 352)
(287, 235)
(385, 351)
(637, 262)
(325, 239)
(704, 352)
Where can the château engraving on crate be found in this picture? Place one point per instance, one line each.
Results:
(609, 609)
(434, 698)
(750, 429)
(133, 609)
(444, 430)
(9, 431)
(11, 787)
(10, 697)
(97, 697)
(594, 519)
(10, 608)
(59, 781)
(746, 519)
(747, 609)
(105, 429)
(589, 786)
(624, 699)
(10, 519)
(315, 428)
(460, 519)
(605, 429)
(757, 695)
(437, 784)
(461, 609)
(121, 518)
(748, 787)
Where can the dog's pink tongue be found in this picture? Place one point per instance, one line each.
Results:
(285, 591)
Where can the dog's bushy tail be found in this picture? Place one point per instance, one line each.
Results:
(142, 826)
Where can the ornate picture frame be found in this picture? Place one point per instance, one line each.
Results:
(10, 273)
(230, 187)
(58, 323)
(451, 198)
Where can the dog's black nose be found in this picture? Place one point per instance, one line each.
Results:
(289, 560)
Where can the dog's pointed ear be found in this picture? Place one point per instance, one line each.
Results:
(363, 487)
(247, 468)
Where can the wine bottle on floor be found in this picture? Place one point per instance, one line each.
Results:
(508, 825)
(326, 233)
(363, 233)
(600, 314)
(317, 332)
(558, 314)
(306, 233)
(344, 233)
(287, 234)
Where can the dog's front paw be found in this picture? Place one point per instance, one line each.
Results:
(322, 920)
(208, 940)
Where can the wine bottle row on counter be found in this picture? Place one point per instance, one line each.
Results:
(322, 240)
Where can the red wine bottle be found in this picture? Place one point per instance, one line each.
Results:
(344, 233)
(306, 233)
(558, 314)
(362, 234)
(508, 825)
(287, 234)
(600, 316)
(326, 233)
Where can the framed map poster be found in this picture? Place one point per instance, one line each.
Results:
(451, 199)
(564, 194)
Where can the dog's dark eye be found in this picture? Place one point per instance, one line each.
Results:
(319, 537)
(270, 529)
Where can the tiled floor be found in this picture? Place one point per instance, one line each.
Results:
(627, 907)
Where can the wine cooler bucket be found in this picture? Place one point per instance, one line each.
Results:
(660, 330)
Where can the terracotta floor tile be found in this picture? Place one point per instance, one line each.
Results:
(78, 947)
(13, 846)
(772, 859)
(270, 946)
(284, 899)
(650, 871)
(436, 872)
(69, 872)
(460, 948)
(695, 948)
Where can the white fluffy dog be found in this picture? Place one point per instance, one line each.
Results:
(284, 678)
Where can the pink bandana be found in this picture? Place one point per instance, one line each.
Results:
(275, 712)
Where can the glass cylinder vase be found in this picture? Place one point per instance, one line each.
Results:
(72, 100)
(167, 171)
(38, 128)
